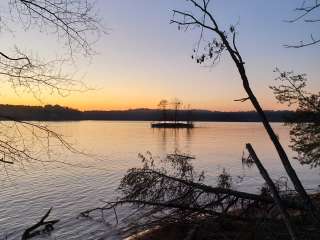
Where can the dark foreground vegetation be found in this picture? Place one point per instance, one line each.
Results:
(172, 201)
(59, 113)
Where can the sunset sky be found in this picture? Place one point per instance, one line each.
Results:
(144, 59)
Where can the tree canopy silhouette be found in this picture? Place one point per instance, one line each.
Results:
(305, 125)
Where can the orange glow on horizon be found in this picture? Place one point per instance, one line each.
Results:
(107, 106)
(120, 99)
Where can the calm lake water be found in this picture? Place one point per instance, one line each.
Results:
(26, 193)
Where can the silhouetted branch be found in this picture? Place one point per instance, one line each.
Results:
(307, 8)
(74, 21)
(292, 90)
(36, 77)
(242, 99)
(32, 231)
(26, 139)
(313, 41)
(25, 58)
(77, 25)
(6, 162)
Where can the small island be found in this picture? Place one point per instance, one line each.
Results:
(172, 121)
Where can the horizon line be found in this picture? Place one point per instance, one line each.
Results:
(139, 108)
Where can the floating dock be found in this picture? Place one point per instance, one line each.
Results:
(172, 125)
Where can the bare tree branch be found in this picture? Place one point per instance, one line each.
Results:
(307, 9)
(76, 24)
(35, 77)
(74, 21)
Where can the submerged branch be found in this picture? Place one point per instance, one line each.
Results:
(33, 230)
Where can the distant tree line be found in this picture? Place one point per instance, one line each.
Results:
(59, 113)
(38, 113)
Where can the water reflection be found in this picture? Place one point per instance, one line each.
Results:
(174, 138)
(70, 190)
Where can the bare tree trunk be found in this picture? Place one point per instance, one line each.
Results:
(188, 19)
(274, 191)
(282, 154)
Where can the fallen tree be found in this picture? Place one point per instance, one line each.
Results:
(169, 192)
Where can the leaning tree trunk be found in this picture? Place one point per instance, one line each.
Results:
(282, 154)
(230, 46)
(274, 191)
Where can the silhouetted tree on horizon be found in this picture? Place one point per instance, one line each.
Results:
(176, 103)
(163, 105)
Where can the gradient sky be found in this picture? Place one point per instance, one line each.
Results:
(144, 59)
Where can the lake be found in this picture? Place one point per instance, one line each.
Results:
(27, 191)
